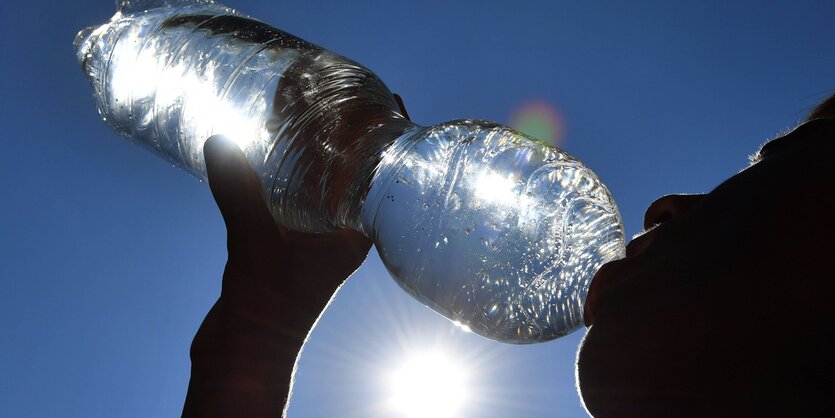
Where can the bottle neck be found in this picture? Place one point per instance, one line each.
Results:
(365, 162)
(334, 119)
(385, 173)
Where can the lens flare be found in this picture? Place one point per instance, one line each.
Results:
(539, 119)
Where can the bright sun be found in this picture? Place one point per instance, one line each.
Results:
(428, 385)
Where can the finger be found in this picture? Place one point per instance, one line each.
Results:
(402, 106)
(345, 245)
(347, 249)
(236, 189)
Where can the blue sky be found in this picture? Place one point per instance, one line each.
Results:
(109, 257)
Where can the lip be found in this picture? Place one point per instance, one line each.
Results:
(609, 274)
(639, 243)
(605, 277)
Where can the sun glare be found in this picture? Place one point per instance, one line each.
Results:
(428, 385)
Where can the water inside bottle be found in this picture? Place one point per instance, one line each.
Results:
(492, 229)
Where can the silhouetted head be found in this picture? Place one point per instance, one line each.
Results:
(725, 306)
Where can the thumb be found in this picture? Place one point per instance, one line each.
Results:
(236, 188)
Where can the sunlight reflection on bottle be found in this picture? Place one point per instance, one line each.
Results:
(495, 188)
(485, 225)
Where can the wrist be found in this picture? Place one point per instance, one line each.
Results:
(234, 329)
(242, 360)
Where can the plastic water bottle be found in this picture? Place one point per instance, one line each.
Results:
(488, 227)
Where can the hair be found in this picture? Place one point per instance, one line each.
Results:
(824, 110)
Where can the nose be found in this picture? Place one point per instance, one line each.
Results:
(669, 207)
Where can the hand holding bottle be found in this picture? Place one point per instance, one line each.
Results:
(276, 284)
(491, 228)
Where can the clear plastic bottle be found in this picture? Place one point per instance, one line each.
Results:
(491, 228)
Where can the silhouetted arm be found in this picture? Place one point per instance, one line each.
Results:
(276, 284)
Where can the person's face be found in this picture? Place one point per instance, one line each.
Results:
(696, 312)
